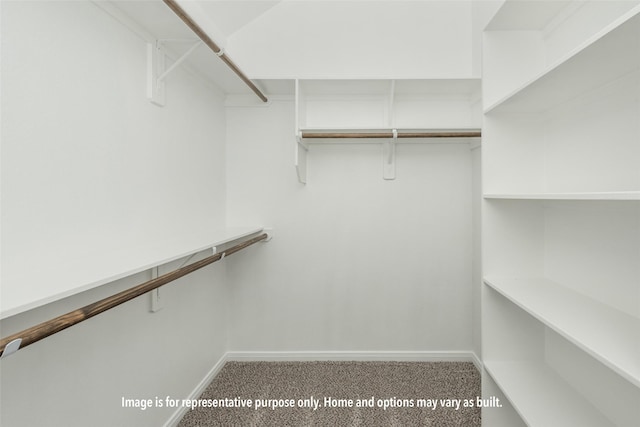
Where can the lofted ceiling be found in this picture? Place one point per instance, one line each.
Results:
(231, 15)
(343, 34)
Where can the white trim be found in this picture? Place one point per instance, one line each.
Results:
(476, 361)
(175, 418)
(400, 356)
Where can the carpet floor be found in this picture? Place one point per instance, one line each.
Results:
(438, 394)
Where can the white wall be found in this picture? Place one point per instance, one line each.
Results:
(89, 166)
(358, 263)
(482, 11)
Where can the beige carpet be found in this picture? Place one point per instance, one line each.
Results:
(409, 390)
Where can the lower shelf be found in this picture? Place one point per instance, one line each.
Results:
(30, 288)
(607, 334)
(610, 195)
(541, 397)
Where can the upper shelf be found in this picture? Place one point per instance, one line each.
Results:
(332, 87)
(388, 104)
(367, 110)
(610, 54)
(386, 134)
(28, 289)
(154, 21)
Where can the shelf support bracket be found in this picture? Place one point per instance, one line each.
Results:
(178, 61)
(389, 157)
(157, 73)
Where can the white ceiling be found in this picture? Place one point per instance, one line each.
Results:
(221, 19)
(231, 15)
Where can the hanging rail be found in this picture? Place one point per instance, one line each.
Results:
(55, 325)
(390, 134)
(213, 46)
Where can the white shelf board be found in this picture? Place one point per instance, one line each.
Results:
(607, 334)
(388, 129)
(612, 195)
(372, 129)
(326, 87)
(332, 87)
(447, 87)
(37, 287)
(153, 20)
(609, 55)
(327, 141)
(541, 397)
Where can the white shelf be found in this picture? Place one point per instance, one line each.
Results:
(346, 129)
(379, 105)
(607, 334)
(332, 87)
(153, 20)
(541, 397)
(603, 58)
(388, 129)
(613, 195)
(36, 287)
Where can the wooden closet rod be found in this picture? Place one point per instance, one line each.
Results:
(55, 325)
(388, 135)
(213, 46)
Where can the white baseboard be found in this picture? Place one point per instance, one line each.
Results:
(291, 356)
(476, 361)
(200, 388)
(401, 356)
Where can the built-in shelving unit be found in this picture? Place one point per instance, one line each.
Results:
(561, 213)
(383, 106)
(31, 288)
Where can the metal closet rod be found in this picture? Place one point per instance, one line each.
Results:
(389, 134)
(57, 324)
(213, 46)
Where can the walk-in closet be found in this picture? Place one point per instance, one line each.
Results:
(320, 212)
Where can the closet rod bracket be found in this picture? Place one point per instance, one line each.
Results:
(389, 157)
(300, 159)
(11, 348)
(300, 141)
(269, 232)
